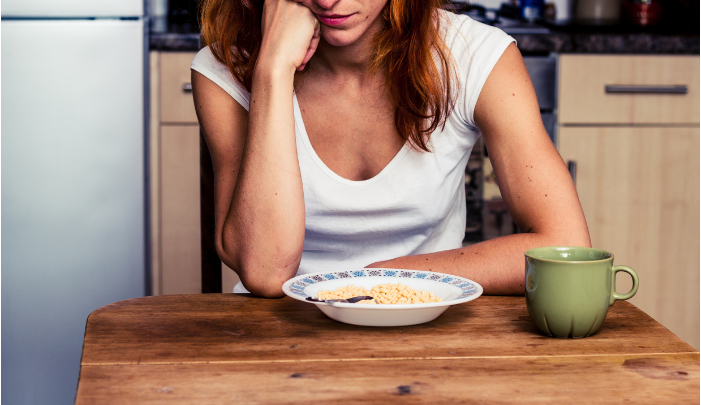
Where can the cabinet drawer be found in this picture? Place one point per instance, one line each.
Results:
(175, 95)
(640, 89)
(639, 189)
(180, 210)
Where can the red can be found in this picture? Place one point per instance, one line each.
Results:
(642, 12)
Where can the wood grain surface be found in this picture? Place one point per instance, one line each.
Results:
(180, 210)
(638, 379)
(219, 328)
(583, 100)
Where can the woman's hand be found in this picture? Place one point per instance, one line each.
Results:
(290, 34)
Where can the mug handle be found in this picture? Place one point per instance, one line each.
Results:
(616, 296)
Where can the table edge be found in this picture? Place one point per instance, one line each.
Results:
(534, 357)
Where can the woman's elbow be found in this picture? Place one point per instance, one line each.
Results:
(573, 236)
(264, 280)
(267, 288)
(262, 267)
(257, 274)
(579, 233)
(563, 234)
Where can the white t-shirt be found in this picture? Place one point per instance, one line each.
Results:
(416, 204)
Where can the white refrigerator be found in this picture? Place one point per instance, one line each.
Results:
(73, 182)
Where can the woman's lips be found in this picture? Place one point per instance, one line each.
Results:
(334, 19)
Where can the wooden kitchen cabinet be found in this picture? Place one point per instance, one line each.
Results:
(584, 100)
(637, 175)
(176, 90)
(180, 209)
(175, 179)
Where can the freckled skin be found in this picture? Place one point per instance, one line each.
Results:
(513, 132)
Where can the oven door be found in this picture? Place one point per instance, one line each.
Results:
(543, 72)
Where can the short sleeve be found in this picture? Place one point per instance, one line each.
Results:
(476, 48)
(206, 64)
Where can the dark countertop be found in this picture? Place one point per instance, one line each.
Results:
(174, 41)
(609, 43)
(560, 40)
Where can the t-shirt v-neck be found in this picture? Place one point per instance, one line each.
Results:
(302, 131)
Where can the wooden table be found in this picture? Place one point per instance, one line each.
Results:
(227, 348)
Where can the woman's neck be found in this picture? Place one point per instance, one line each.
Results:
(355, 58)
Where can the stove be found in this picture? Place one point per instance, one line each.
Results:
(504, 18)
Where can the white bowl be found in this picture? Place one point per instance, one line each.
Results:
(451, 289)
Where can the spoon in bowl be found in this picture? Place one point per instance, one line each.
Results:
(349, 300)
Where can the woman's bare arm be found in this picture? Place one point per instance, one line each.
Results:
(259, 202)
(533, 180)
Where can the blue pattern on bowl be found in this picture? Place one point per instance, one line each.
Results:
(467, 288)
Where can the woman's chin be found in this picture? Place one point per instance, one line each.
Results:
(335, 37)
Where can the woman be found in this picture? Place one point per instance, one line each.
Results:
(340, 129)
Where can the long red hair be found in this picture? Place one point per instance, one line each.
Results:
(418, 66)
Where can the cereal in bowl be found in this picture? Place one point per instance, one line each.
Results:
(383, 293)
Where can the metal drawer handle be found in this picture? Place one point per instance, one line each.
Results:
(676, 89)
(187, 87)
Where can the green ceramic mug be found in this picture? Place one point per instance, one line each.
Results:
(570, 289)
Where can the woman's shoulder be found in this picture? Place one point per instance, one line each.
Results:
(476, 48)
(207, 64)
(462, 33)
(205, 59)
